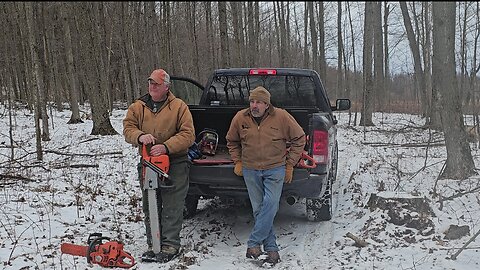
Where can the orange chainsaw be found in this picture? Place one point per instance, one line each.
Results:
(106, 254)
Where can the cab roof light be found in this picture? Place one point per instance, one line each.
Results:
(263, 72)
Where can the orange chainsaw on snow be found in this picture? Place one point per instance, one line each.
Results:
(106, 254)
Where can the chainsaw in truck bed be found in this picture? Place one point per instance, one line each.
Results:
(301, 93)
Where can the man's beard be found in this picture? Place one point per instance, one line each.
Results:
(256, 113)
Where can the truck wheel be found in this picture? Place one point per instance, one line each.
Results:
(190, 207)
(320, 209)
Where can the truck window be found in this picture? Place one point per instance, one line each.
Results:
(285, 90)
(186, 91)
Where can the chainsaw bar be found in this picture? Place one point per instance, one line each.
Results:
(73, 249)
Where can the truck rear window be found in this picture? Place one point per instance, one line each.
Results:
(285, 90)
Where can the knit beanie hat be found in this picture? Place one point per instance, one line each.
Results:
(260, 94)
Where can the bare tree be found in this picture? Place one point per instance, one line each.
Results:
(222, 21)
(314, 37)
(237, 24)
(306, 60)
(209, 34)
(340, 77)
(459, 164)
(354, 62)
(321, 31)
(415, 49)
(35, 79)
(379, 86)
(97, 82)
(280, 25)
(73, 88)
(386, 64)
(251, 52)
(368, 85)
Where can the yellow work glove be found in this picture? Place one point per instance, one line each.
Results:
(288, 173)
(238, 168)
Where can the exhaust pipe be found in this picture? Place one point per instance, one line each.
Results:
(291, 200)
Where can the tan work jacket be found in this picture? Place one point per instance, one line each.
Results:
(172, 125)
(264, 146)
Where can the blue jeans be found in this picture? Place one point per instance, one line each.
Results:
(264, 189)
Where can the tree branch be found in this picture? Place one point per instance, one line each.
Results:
(358, 241)
(83, 155)
(454, 256)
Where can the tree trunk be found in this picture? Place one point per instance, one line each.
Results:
(97, 82)
(354, 56)
(414, 47)
(432, 108)
(379, 89)
(314, 37)
(237, 32)
(368, 86)
(321, 29)
(251, 35)
(209, 34)
(222, 20)
(386, 65)
(459, 164)
(73, 88)
(35, 78)
(340, 87)
(306, 60)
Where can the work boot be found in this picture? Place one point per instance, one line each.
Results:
(148, 256)
(254, 252)
(167, 254)
(272, 257)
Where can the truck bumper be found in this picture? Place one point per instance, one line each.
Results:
(219, 180)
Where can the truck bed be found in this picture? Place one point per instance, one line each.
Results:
(221, 157)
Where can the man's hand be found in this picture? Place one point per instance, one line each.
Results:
(146, 139)
(158, 150)
(288, 173)
(238, 168)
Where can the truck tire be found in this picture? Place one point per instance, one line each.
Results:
(320, 209)
(190, 207)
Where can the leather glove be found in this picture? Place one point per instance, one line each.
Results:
(288, 173)
(238, 168)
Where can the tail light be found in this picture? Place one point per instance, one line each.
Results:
(320, 146)
(263, 71)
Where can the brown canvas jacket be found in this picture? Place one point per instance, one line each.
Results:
(172, 125)
(264, 146)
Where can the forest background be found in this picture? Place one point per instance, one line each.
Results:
(416, 57)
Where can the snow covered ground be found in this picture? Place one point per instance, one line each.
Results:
(87, 184)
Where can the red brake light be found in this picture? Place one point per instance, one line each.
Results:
(263, 72)
(320, 146)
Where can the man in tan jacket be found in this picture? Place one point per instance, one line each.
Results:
(163, 121)
(257, 142)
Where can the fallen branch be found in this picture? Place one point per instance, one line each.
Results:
(454, 256)
(359, 242)
(76, 166)
(87, 140)
(460, 194)
(16, 177)
(377, 144)
(83, 155)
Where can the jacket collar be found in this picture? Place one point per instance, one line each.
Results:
(147, 99)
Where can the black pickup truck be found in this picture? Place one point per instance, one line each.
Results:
(301, 93)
